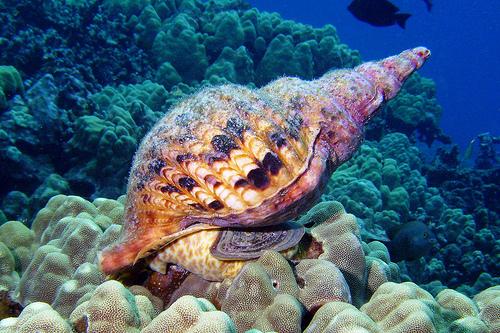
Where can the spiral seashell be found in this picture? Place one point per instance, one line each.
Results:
(233, 157)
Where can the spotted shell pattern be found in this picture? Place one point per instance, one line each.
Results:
(230, 156)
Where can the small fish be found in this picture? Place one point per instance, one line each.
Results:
(410, 241)
(380, 13)
(468, 150)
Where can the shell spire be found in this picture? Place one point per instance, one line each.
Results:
(234, 157)
(390, 73)
(356, 95)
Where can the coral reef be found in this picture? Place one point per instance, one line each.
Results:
(16, 246)
(59, 272)
(470, 189)
(158, 51)
(416, 112)
(384, 186)
(404, 308)
(67, 294)
(82, 81)
(10, 84)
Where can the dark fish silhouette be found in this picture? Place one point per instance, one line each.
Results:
(380, 13)
(410, 241)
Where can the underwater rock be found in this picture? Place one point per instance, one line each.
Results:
(42, 101)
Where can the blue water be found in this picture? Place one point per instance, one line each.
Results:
(464, 37)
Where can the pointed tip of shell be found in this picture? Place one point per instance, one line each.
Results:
(418, 55)
(422, 51)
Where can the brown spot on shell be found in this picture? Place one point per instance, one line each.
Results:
(214, 157)
(185, 138)
(258, 178)
(169, 189)
(198, 206)
(212, 180)
(240, 183)
(187, 182)
(223, 144)
(215, 205)
(272, 163)
(236, 127)
(156, 166)
(184, 157)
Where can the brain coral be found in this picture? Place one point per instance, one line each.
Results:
(270, 294)
(113, 308)
(36, 317)
(401, 308)
(59, 272)
(488, 303)
(255, 293)
(193, 315)
(338, 234)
